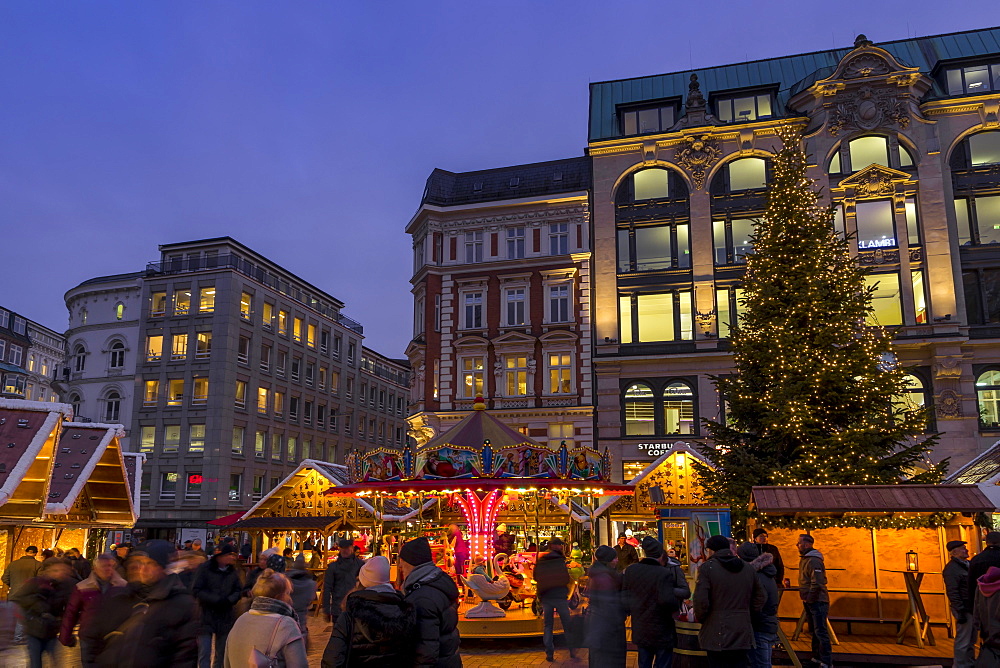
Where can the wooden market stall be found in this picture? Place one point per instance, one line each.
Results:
(880, 542)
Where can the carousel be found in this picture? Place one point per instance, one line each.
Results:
(488, 498)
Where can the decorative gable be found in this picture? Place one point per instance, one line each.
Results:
(874, 181)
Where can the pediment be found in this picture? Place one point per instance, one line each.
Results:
(471, 342)
(514, 338)
(868, 61)
(874, 181)
(559, 336)
(415, 350)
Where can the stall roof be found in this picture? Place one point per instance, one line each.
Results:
(28, 432)
(870, 499)
(983, 468)
(88, 458)
(134, 462)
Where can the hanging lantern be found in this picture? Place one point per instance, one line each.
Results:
(911, 562)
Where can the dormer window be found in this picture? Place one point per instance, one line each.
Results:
(973, 79)
(744, 107)
(647, 119)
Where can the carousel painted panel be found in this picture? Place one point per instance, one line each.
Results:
(448, 462)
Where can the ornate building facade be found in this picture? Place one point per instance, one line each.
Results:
(501, 289)
(905, 140)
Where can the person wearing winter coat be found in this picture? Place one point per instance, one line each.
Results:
(987, 618)
(153, 621)
(652, 590)
(979, 564)
(726, 593)
(765, 620)
(956, 585)
(303, 593)
(217, 588)
(85, 608)
(605, 630)
(760, 540)
(626, 554)
(341, 576)
(22, 569)
(269, 630)
(815, 598)
(377, 627)
(552, 580)
(434, 597)
(81, 567)
(43, 601)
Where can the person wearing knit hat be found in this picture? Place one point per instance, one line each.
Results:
(303, 593)
(377, 626)
(434, 596)
(652, 589)
(765, 620)
(760, 540)
(605, 613)
(276, 563)
(341, 576)
(987, 613)
(727, 592)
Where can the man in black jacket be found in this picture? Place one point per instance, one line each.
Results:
(956, 585)
(765, 620)
(341, 575)
(43, 600)
(552, 584)
(990, 556)
(760, 540)
(652, 590)
(626, 554)
(217, 588)
(434, 598)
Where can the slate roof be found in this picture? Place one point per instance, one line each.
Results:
(838, 499)
(787, 74)
(983, 468)
(537, 179)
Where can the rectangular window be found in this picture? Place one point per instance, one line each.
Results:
(324, 341)
(515, 243)
(279, 403)
(473, 247)
(311, 335)
(290, 447)
(987, 214)
(558, 238)
(984, 147)
(473, 303)
(192, 488)
(561, 432)
(876, 226)
(175, 395)
(559, 303)
(235, 483)
(973, 79)
(472, 377)
(147, 439)
(179, 347)
(243, 351)
(262, 393)
(729, 305)
(157, 304)
(267, 315)
(293, 408)
(306, 447)
(307, 412)
(246, 300)
(199, 395)
(743, 108)
(171, 437)
(196, 438)
(265, 357)
(283, 323)
(625, 318)
(334, 383)
(204, 350)
(656, 317)
(646, 120)
(296, 367)
(919, 297)
(182, 302)
(282, 364)
(352, 350)
(206, 300)
(297, 329)
(154, 348)
(168, 485)
(912, 225)
(239, 433)
(321, 416)
(516, 375)
(258, 488)
(514, 298)
(560, 373)
(337, 342)
(350, 387)
(310, 373)
(322, 377)
(886, 302)
(653, 248)
(259, 443)
(241, 394)
(276, 446)
(731, 240)
(152, 393)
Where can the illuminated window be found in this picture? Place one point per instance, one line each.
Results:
(876, 224)
(639, 410)
(175, 392)
(267, 315)
(154, 348)
(262, 399)
(283, 323)
(919, 297)
(179, 346)
(192, 488)
(182, 302)
(625, 318)
(561, 432)
(912, 224)
(743, 108)
(646, 120)
(259, 444)
(472, 377)
(235, 485)
(631, 470)
(653, 248)
(196, 438)
(651, 184)
(290, 447)
(664, 316)
(157, 304)
(516, 375)
(886, 301)
(678, 409)
(976, 79)
(147, 439)
(119, 311)
(168, 483)
(204, 343)
(732, 240)
(276, 446)
(729, 304)
(199, 394)
(311, 335)
(978, 219)
(239, 433)
(241, 394)
(560, 373)
(246, 301)
(988, 395)
(865, 151)
(206, 300)
(747, 174)
(171, 437)
(116, 355)
(152, 393)
(984, 148)
(279, 403)
(914, 396)
(297, 329)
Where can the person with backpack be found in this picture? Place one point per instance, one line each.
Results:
(217, 588)
(377, 626)
(268, 634)
(85, 606)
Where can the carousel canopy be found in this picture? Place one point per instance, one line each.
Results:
(476, 428)
(453, 485)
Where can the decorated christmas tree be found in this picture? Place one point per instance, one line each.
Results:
(816, 396)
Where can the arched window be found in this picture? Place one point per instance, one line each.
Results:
(79, 357)
(869, 150)
(988, 395)
(678, 409)
(983, 148)
(639, 410)
(75, 401)
(116, 355)
(746, 174)
(652, 221)
(119, 311)
(112, 406)
(655, 183)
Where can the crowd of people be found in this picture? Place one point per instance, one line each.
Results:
(157, 605)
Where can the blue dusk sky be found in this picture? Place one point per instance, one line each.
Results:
(306, 130)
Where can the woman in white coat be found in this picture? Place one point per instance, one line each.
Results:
(270, 630)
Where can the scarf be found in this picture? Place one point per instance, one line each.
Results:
(273, 606)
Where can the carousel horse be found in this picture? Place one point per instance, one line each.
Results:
(488, 590)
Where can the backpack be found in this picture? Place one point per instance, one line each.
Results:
(260, 659)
